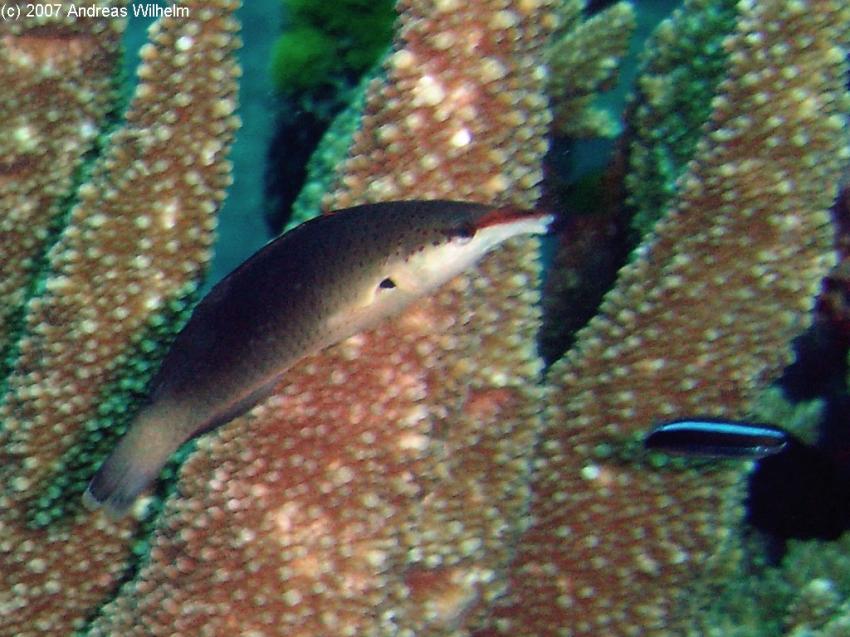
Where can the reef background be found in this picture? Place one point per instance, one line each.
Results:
(420, 479)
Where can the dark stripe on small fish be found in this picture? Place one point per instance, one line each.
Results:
(718, 439)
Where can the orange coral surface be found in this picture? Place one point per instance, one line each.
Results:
(698, 323)
(138, 237)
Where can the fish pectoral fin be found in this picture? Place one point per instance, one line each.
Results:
(366, 312)
(240, 405)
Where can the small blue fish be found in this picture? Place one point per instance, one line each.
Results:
(797, 490)
(717, 438)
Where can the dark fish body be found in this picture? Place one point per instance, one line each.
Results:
(718, 439)
(311, 287)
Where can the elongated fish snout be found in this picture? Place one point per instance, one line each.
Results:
(535, 221)
(715, 438)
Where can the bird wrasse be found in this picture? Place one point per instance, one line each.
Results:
(716, 438)
(313, 286)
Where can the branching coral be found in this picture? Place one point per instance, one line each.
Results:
(135, 242)
(57, 82)
(582, 61)
(326, 42)
(380, 491)
(684, 61)
(698, 323)
(383, 490)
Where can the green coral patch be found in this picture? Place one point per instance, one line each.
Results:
(300, 57)
(326, 42)
(680, 74)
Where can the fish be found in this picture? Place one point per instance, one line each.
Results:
(320, 283)
(796, 490)
(716, 438)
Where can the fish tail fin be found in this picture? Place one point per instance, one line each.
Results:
(134, 463)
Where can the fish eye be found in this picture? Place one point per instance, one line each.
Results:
(466, 231)
(387, 284)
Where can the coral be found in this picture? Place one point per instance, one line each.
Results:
(300, 56)
(698, 323)
(802, 418)
(580, 70)
(807, 594)
(40, 154)
(381, 489)
(455, 543)
(134, 246)
(583, 60)
(386, 486)
(817, 603)
(332, 149)
(487, 131)
(684, 61)
(327, 41)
